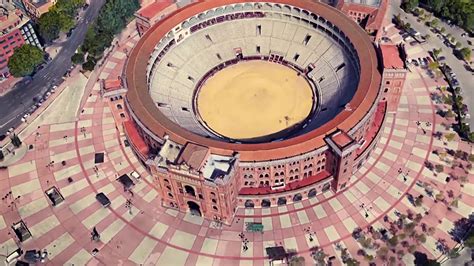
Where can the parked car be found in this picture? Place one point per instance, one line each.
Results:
(103, 199)
(441, 58)
(135, 175)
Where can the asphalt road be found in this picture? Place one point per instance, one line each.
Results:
(465, 78)
(16, 103)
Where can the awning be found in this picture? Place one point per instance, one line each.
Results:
(135, 139)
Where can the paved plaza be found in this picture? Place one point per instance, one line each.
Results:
(148, 234)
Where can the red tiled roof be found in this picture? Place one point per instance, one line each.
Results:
(289, 187)
(154, 8)
(111, 84)
(193, 155)
(134, 137)
(341, 139)
(376, 19)
(376, 14)
(391, 56)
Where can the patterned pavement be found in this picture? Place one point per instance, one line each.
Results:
(150, 234)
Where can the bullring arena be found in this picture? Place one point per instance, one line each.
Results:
(253, 104)
(233, 128)
(254, 99)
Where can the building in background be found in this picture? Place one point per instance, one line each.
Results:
(151, 12)
(394, 74)
(369, 14)
(15, 30)
(36, 8)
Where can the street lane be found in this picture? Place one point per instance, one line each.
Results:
(15, 103)
(465, 78)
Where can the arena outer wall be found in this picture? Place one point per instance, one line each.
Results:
(262, 174)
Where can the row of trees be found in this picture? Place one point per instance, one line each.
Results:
(60, 18)
(460, 12)
(113, 17)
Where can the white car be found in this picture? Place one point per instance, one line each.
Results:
(135, 175)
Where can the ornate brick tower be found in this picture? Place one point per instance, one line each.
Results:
(342, 154)
(194, 180)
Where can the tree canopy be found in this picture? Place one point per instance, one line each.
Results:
(461, 12)
(60, 18)
(465, 53)
(409, 5)
(24, 60)
(77, 58)
(113, 17)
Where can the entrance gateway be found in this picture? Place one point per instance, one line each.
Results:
(194, 208)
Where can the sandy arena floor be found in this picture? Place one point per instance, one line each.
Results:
(254, 99)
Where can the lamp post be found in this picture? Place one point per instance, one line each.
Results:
(366, 209)
(404, 175)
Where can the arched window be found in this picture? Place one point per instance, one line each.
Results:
(214, 200)
(312, 193)
(281, 201)
(267, 183)
(213, 194)
(266, 175)
(266, 203)
(190, 190)
(119, 106)
(297, 197)
(168, 187)
(326, 187)
(214, 208)
(249, 204)
(310, 173)
(170, 195)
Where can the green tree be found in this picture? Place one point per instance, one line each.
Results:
(409, 5)
(434, 23)
(458, 44)
(469, 242)
(434, 5)
(49, 26)
(77, 58)
(24, 60)
(89, 65)
(297, 261)
(442, 30)
(433, 66)
(60, 18)
(465, 53)
(112, 19)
